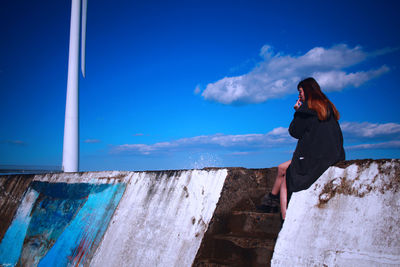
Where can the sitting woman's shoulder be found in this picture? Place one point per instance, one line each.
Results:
(305, 110)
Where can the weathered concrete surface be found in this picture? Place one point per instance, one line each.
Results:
(106, 218)
(11, 191)
(349, 217)
(169, 213)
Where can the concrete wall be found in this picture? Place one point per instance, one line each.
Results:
(106, 218)
(349, 217)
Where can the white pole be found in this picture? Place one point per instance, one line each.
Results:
(71, 127)
(83, 36)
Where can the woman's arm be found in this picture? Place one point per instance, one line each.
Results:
(299, 124)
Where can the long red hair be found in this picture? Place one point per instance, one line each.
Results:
(317, 100)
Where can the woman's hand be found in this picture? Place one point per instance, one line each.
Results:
(298, 104)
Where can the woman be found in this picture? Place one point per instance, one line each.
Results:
(320, 145)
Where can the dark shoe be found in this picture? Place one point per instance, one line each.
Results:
(269, 204)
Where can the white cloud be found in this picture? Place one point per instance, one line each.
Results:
(278, 74)
(276, 137)
(245, 144)
(384, 145)
(368, 135)
(266, 51)
(240, 153)
(280, 131)
(370, 130)
(337, 80)
(197, 90)
(385, 51)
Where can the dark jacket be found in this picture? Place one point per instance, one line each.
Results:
(320, 145)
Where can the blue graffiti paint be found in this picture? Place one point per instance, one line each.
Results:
(49, 219)
(67, 191)
(11, 245)
(63, 226)
(83, 235)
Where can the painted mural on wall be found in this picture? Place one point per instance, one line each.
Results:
(59, 224)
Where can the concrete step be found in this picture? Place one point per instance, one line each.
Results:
(215, 263)
(219, 263)
(255, 252)
(238, 235)
(248, 242)
(252, 198)
(230, 250)
(254, 224)
(219, 249)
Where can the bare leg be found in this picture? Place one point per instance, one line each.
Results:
(283, 199)
(283, 189)
(269, 203)
(281, 175)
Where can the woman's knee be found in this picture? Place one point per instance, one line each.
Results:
(282, 169)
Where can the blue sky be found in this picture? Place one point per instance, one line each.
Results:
(191, 84)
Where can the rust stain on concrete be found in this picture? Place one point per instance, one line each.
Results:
(351, 187)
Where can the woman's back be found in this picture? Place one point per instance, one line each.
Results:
(320, 145)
